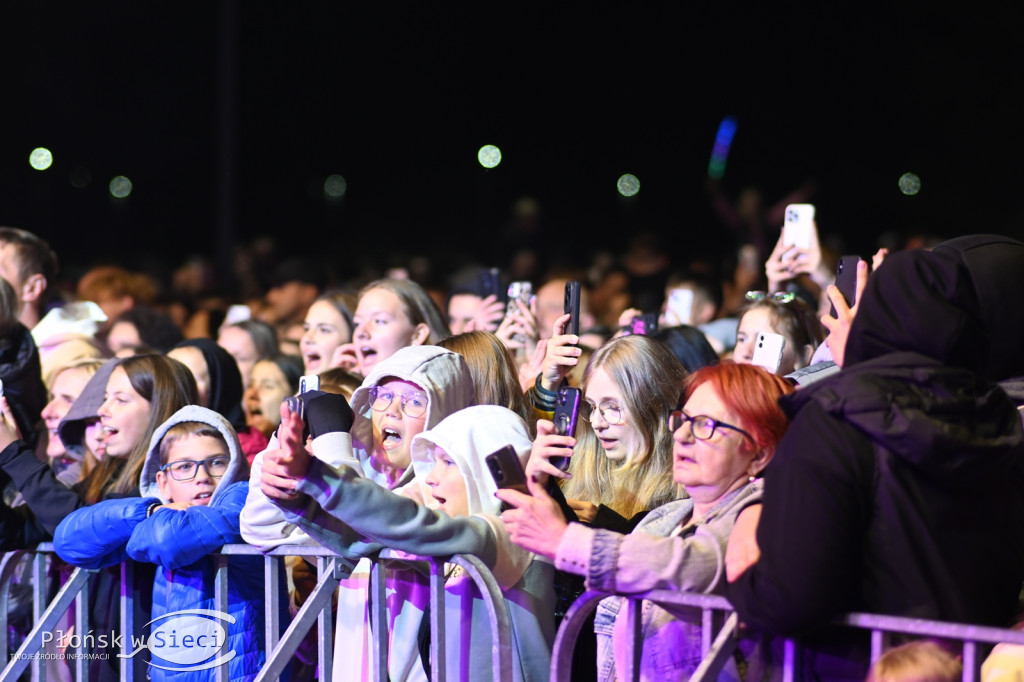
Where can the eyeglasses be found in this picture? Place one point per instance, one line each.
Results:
(186, 469)
(702, 426)
(413, 403)
(778, 296)
(610, 412)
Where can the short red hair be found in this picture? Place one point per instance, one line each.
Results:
(751, 393)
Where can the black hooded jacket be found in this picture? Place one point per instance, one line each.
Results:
(897, 488)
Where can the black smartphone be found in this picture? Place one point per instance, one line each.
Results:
(846, 280)
(572, 307)
(567, 411)
(507, 471)
(646, 323)
(490, 283)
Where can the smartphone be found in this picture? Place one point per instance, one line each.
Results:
(507, 471)
(679, 308)
(644, 324)
(490, 283)
(309, 382)
(572, 307)
(1, 388)
(567, 412)
(768, 351)
(846, 280)
(798, 226)
(518, 291)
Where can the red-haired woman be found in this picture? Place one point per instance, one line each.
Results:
(724, 436)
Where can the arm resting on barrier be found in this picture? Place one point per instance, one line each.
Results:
(351, 513)
(173, 538)
(96, 536)
(638, 562)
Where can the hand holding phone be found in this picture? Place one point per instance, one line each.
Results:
(644, 324)
(507, 471)
(798, 225)
(572, 307)
(679, 308)
(846, 281)
(567, 412)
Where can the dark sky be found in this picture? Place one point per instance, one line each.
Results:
(398, 98)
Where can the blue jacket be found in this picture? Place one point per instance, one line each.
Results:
(180, 543)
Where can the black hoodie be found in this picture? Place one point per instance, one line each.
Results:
(896, 489)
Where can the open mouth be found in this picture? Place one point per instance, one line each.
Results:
(107, 433)
(369, 354)
(390, 438)
(203, 497)
(312, 360)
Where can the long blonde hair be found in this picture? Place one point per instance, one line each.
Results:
(651, 381)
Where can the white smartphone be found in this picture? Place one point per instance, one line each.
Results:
(798, 227)
(309, 382)
(768, 351)
(679, 309)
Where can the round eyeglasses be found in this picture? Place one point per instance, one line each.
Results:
(610, 412)
(186, 469)
(778, 296)
(702, 426)
(413, 403)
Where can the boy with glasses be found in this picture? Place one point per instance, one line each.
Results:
(193, 486)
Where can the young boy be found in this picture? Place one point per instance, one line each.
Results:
(193, 486)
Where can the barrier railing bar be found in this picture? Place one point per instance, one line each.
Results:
(220, 600)
(970, 661)
(272, 619)
(325, 621)
(494, 599)
(633, 623)
(318, 599)
(720, 651)
(932, 628)
(791, 661)
(127, 618)
(379, 622)
(82, 627)
(48, 619)
(438, 650)
(8, 565)
(39, 563)
(568, 632)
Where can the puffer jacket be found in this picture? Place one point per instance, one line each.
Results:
(180, 543)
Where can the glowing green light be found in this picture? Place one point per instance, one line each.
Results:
(489, 156)
(40, 158)
(910, 184)
(335, 186)
(628, 185)
(120, 187)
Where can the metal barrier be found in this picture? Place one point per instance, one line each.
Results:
(331, 570)
(718, 648)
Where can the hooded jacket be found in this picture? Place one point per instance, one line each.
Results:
(225, 380)
(353, 514)
(179, 543)
(896, 489)
(443, 376)
(23, 380)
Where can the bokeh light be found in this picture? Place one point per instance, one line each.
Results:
(628, 185)
(120, 187)
(40, 158)
(335, 186)
(910, 184)
(489, 156)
